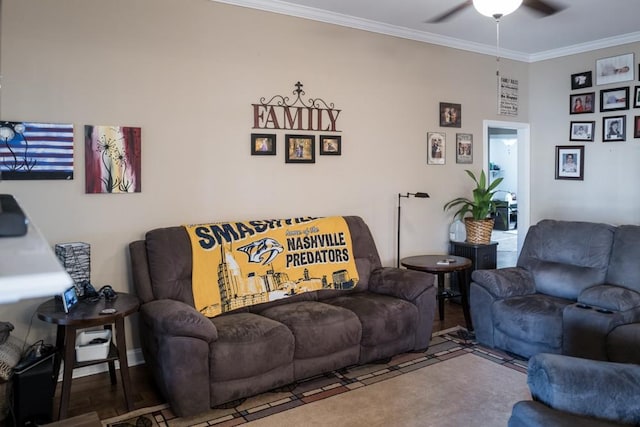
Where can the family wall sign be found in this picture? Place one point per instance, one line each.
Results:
(280, 112)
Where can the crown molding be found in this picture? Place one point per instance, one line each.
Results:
(586, 47)
(281, 7)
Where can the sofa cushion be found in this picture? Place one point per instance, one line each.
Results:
(563, 280)
(615, 298)
(364, 247)
(624, 268)
(554, 251)
(169, 255)
(532, 319)
(319, 329)
(244, 341)
(388, 323)
(505, 282)
(364, 267)
(326, 337)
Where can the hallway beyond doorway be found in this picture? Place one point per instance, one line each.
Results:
(507, 255)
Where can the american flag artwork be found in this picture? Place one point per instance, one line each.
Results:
(30, 150)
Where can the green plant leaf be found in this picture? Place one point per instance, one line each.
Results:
(482, 205)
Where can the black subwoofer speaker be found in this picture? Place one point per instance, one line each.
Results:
(33, 388)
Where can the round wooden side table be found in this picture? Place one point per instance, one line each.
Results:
(87, 315)
(435, 264)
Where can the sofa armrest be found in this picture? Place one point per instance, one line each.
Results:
(175, 318)
(400, 283)
(528, 413)
(176, 343)
(598, 389)
(505, 282)
(610, 297)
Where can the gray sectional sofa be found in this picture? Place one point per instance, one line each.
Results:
(569, 392)
(575, 291)
(201, 362)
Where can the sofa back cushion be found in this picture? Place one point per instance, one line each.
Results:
(170, 260)
(170, 267)
(624, 266)
(566, 257)
(364, 250)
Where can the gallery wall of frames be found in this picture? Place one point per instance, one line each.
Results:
(600, 115)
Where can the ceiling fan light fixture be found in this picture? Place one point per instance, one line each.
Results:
(496, 8)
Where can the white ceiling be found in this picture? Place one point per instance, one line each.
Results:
(524, 35)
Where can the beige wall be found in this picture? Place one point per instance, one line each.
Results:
(187, 71)
(609, 192)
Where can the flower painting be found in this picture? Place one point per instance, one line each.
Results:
(113, 159)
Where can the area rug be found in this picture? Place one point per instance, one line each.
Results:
(454, 383)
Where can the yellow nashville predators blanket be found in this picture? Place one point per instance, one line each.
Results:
(236, 264)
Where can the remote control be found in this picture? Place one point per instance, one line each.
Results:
(108, 311)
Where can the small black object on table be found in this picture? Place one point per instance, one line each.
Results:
(87, 315)
(440, 265)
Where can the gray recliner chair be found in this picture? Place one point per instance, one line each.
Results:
(569, 391)
(575, 291)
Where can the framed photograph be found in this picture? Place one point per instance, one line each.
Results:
(450, 115)
(581, 131)
(636, 127)
(464, 148)
(581, 80)
(614, 128)
(330, 145)
(614, 69)
(636, 97)
(614, 99)
(436, 145)
(581, 103)
(263, 144)
(300, 149)
(570, 162)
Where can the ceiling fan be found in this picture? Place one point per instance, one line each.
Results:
(498, 8)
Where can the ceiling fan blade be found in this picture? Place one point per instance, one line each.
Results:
(448, 14)
(543, 7)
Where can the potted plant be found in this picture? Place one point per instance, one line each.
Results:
(477, 213)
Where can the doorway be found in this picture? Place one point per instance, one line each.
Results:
(506, 156)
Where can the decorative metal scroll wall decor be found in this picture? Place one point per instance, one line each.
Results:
(280, 112)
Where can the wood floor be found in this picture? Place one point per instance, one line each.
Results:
(95, 392)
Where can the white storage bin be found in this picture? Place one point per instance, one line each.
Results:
(86, 351)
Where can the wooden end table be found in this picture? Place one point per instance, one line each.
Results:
(460, 265)
(87, 315)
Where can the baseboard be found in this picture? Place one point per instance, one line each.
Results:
(134, 357)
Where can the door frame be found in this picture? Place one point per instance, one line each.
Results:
(523, 191)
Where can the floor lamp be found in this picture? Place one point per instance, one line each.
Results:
(400, 195)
